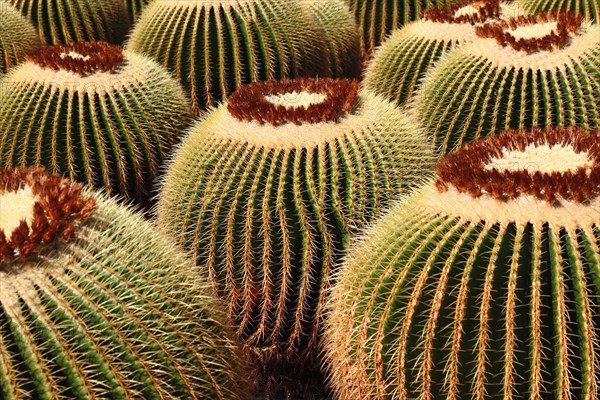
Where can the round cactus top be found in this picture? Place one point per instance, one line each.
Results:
(82, 58)
(534, 32)
(298, 101)
(464, 12)
(37, 208)
(537, 175)
(542, 42)
(553, 164)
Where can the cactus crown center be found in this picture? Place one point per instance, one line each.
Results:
(533, 33)
(547, 164)
(37, 208)
(297, 101)
(465, 12)
(83, 58)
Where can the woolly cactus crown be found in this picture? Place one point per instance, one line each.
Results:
(94, 113)
(482, 284)
(214, 47)
(96, 303)
(70, 21)
(17, 37)
(268, 187)
(402, 60)
(523, 72)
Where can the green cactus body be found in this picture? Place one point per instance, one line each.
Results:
(214, 47)
(70, 21)
(589, 9)
(341, 34)
(485, 87)
(97, 303)
(17, 37)
(135, 8)
(265, 192)
(94, 113)
(377, 18)
(482, 285)
(405, 57)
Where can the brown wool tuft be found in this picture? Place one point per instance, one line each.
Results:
(567, 22)
(97, 57)
(60, 207)
(248, 103)
(486, 9)
(465, 169)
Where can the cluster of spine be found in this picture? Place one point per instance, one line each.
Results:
(55, 215)
(17, 37)
(341, 34)
(249, 103)
(519, 75)
(377, 18)
(588, 9)
(76, 20)
(214, 47)
(566, 24)
(113, 312)
(93, 113)
(452, 297)
(83, 58)
(406, 56)
(269, 209)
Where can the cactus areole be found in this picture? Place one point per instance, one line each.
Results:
(83, 58)
(36, 209)
(294, 101)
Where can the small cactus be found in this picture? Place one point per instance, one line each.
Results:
(482, 284)
(94, 113)
(377, 18)
(97, 303)
(266, 190)
(589, 9)
(214, 47)
(341, 34)
(520, 73)
(69, 21)
(17, 37)
(405, 57)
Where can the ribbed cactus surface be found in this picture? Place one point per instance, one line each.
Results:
(404, 58)
(94, 113)
(589, 9)
(96, 303)
(69, 21)
(135, 8)
(17, 37)
(377, 18)
(525, 72)
(482, 285)
(341, 34)
(266, 190)
(214, 47)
